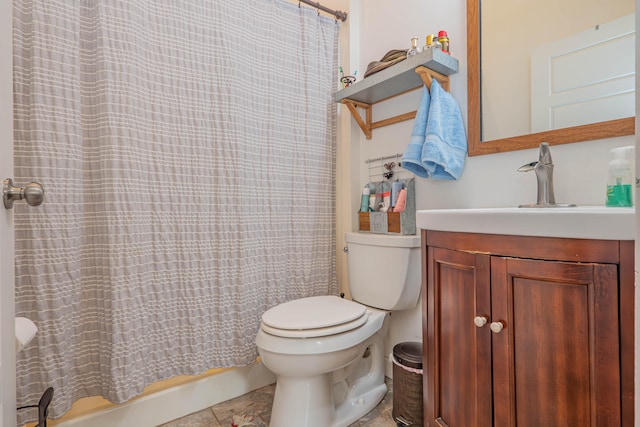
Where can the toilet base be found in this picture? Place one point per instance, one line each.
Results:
(352, 410)
(302, 402)
(313, 406)
(332, 399)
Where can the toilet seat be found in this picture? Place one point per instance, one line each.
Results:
(313, 317)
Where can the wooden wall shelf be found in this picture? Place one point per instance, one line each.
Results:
(400, 78)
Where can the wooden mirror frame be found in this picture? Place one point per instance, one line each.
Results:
(600, 130)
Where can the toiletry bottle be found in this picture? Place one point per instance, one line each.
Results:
(386, 201)
(428, 42)
(432, 42)
(619, 184)
(414, 47)
(383, 197)
(395, 192)
(401, 202)
(364, 203)
(443, 38)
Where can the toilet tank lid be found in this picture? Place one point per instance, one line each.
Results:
(389, 240)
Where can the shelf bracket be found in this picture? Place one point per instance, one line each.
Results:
(427, 75)
(365, 124)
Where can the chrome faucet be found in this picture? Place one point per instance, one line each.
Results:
(544, 174)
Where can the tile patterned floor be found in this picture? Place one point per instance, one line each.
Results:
(258, 405)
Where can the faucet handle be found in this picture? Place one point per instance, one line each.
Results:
(545, 154)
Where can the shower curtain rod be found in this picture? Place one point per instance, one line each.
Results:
(337, 13)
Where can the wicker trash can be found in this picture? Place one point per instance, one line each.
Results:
(407, 384)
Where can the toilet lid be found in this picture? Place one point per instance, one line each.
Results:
(313, 317)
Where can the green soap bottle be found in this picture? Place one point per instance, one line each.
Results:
(619, 193)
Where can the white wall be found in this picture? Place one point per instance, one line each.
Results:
(7, 292)
(377, 26)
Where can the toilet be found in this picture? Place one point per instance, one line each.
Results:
(327, 352)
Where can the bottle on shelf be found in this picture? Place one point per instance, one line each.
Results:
(432, 42)
(415, 49)
(443, 38)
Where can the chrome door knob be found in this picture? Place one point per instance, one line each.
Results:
(32, 193)
(480, 321)
(496, 327)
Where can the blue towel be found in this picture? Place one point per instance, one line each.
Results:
(412, 157)
(445, 143)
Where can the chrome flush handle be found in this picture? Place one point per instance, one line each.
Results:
(32, 193)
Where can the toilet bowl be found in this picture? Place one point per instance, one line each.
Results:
(310, 365)
(326, 351)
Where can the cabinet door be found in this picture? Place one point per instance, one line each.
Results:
(556, 362)
(458, 354)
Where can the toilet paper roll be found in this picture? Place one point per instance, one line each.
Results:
(25, 331)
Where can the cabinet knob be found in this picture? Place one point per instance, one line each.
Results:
(480, 321)
(496, 327)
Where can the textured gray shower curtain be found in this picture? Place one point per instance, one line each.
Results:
(187, 149)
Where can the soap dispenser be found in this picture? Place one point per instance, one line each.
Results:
(619, 193)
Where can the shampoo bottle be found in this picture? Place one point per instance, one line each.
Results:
(619, 186)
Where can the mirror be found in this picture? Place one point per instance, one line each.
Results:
(478, 146)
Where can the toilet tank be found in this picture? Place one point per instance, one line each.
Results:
(384, 270)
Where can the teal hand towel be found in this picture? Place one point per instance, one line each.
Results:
(445, 143)
(412, 156)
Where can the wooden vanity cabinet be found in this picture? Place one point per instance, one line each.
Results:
(527, 331)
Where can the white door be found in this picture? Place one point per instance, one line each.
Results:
(584, 78)
(7, 309)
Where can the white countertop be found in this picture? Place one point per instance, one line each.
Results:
(582, 222)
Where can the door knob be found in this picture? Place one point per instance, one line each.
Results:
(32, 193)
(496, 327)
(480, 321)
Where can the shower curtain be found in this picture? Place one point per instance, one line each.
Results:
(187, 150)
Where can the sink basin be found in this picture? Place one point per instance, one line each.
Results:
(583, 222)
